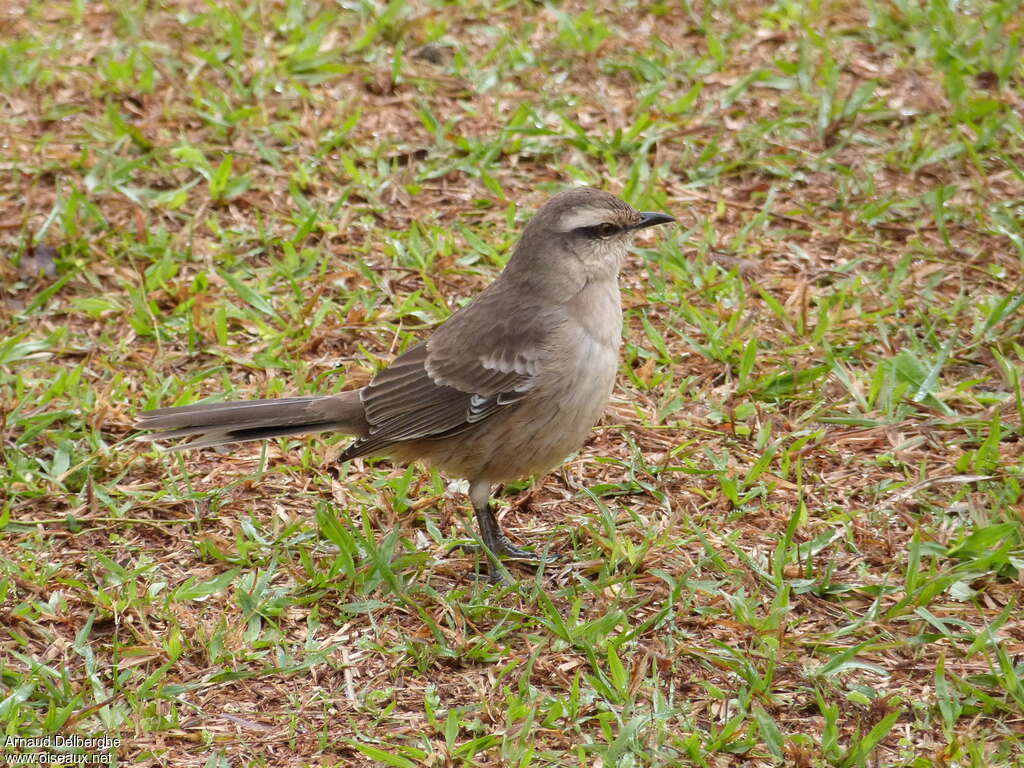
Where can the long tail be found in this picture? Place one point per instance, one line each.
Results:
(235, 422)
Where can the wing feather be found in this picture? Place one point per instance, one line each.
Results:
(486, 357)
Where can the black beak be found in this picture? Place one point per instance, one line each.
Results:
(649, 219)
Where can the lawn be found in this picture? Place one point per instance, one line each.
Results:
(795, 537)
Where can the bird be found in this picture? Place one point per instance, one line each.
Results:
(505, 388)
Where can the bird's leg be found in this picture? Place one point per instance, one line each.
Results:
(494, 538)
(495, 542)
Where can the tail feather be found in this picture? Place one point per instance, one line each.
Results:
(234, 422)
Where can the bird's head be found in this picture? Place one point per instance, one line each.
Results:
(583, 230)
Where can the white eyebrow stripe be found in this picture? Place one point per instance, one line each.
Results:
(582, 217)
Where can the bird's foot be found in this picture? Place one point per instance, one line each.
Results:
(503, 547)
(495, 543)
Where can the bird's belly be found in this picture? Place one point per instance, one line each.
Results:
(539, 431)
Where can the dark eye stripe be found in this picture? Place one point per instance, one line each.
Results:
(607, 229)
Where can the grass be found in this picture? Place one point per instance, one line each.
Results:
(795, 539)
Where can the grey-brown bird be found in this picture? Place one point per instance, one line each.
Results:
(507, 387)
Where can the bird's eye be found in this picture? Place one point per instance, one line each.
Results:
(605, 230)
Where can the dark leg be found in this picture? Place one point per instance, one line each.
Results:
(496, 543)
(495, 539)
